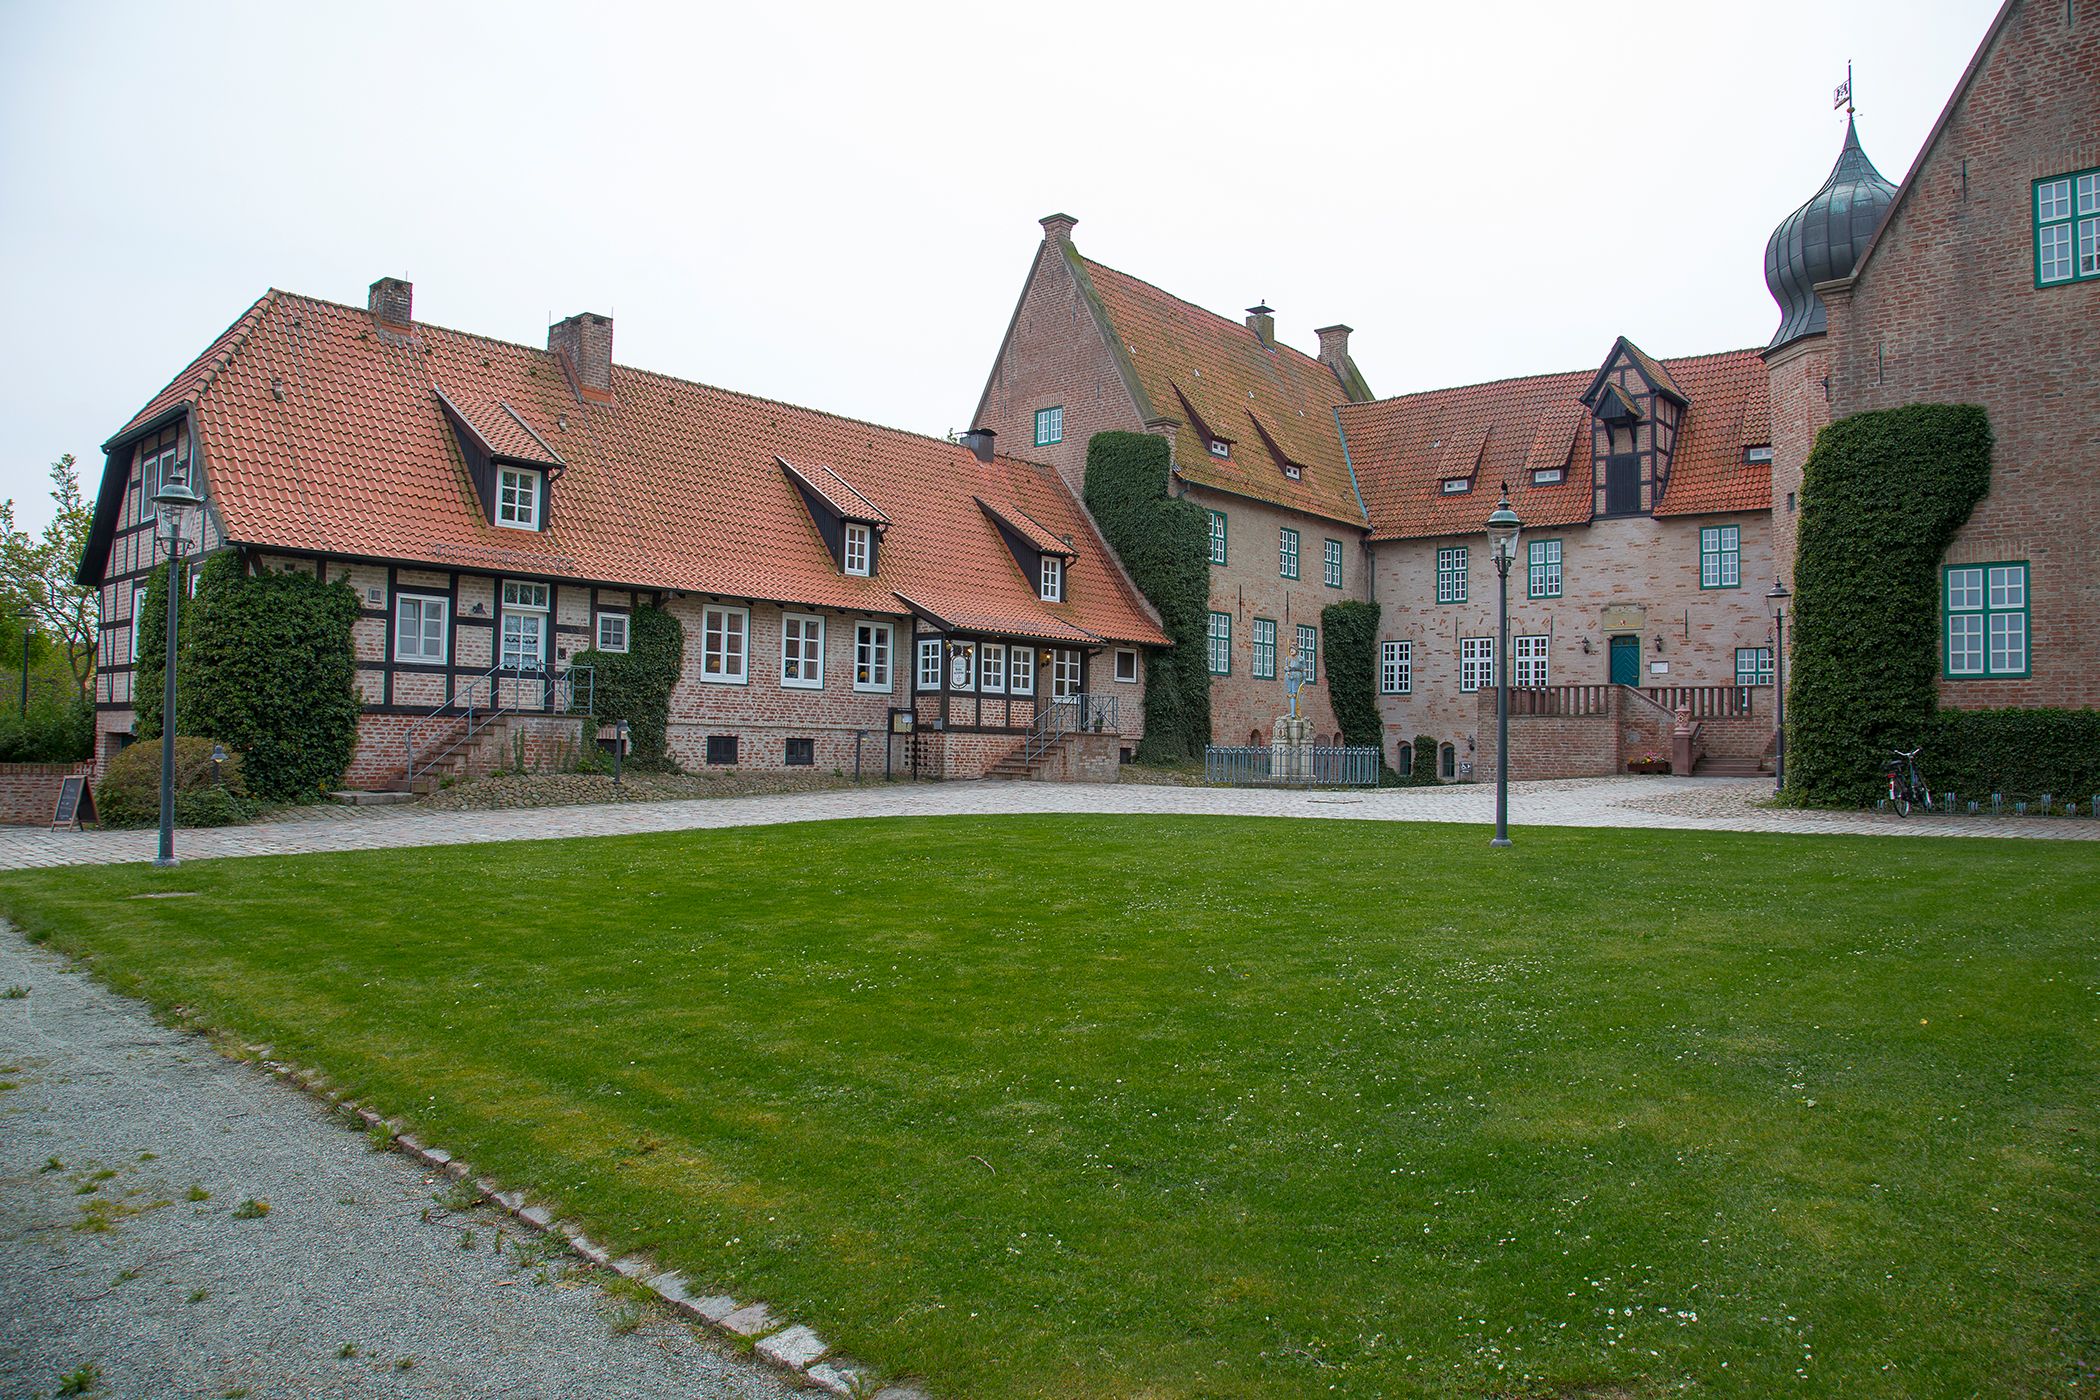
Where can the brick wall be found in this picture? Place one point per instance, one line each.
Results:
(29, 791)
(1549, 746)
(1946, 310)
(1798, 377)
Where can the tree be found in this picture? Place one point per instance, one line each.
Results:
(37, 573)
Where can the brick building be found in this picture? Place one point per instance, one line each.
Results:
(499, 508)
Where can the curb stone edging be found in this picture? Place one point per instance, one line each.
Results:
(790, 1347)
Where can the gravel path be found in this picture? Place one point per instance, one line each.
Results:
(105, 1115)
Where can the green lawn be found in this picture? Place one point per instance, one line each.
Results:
(1209, 1107)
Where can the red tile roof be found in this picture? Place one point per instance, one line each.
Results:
(1221, 370)
(1405, 448)
(672, 485)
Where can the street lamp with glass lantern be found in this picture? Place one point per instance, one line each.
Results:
(1777, 598)
(176, 505)
(1503, 527)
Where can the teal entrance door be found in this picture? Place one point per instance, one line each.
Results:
(1625, 660)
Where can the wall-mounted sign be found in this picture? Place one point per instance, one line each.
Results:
(901, 721)
(1625, 617)
(1658, 668)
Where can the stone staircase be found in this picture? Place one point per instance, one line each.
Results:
(1018, 766)
(482, 753)
(1710, 766)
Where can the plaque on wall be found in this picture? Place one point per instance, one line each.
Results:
(1625, 617)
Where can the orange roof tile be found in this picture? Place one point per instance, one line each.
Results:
(1405, 448)
(672, 485)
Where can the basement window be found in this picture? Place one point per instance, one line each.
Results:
(801, 753)
(721, 750)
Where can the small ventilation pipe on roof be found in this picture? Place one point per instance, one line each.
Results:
(392, 301)
(1261, 319)
(979, 441)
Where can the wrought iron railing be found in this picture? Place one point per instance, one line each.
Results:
(1254, 766)
(1066, 715)
(479, 701)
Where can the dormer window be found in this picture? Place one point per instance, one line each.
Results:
(1549, 476)
(1457, 485)
(1220, 448)
(1053, 579)
(1758, 455)
(858, 539)
(518, 498)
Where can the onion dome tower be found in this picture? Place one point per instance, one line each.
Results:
(1824, 238)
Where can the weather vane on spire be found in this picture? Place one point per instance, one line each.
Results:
(1842, 96)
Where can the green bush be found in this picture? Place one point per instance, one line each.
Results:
(129, 793)
(635, 685)
(152, 633)
(56, 730)
(1882, 495)
(2020, 753)
(1165, 546)
(1350, 631)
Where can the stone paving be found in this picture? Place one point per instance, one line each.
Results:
(1697, 804)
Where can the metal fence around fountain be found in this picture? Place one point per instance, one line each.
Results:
(1251, 766)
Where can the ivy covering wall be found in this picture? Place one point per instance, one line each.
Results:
(1165, 546)
(1351, 633)
(635, 685)
(1882, 495)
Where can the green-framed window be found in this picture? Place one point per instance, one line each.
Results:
(1217, 536)
(1309, 648)
(1721, 556)
(2067, 228)
(1287, 552)
(1219, 644)
(1049, 425)
(1986, 626)
(1396, 668)
(1331, 559)
(1451, 575)
(1543, 573)
(1753, 665)
(1264, 664)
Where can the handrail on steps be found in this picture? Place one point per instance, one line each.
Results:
(479, 714)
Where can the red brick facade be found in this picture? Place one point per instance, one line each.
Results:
(29, 791)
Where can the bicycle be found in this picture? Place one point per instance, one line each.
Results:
(1906, 784)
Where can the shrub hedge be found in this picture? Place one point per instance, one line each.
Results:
(1165, 546)
(635, 685)
(129, 793)
(2020, 753)
(57, 729)
(1881, 496)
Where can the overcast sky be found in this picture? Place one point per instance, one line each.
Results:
(836, 205)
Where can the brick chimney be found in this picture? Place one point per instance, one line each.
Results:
(1261, 319)
(392, 301)
(584, 343)
(1334, 347)
(980, 441)
(1057, 229)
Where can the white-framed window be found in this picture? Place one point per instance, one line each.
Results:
(962, 666)
(1049, 425)
(1309, 648)
(156, 469)
(801, 651)
(1262, 661)
(1549, 476)
(725, 644)
(1218, 644)
(871, 655)
(1220, 448)
(1528, 654)
(859, 548)
(1986, 607)
(1753, 665)
(1065, 674)
(518, 498)
(612, 631)
(1287, 553)
(138, 618)
(1721, 556)
(1396, 668)
(991, 669)
(1451, 575)
(1020, 671)
(1217, 536)
(1476, 663)
(1126, 665)
(1543, 569)
(1457, 485)
(419, 627)
(1331, 559)
(931, 666)
(525, 625)
(1053, 579)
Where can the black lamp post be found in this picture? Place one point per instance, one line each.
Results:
(176, 505)
(1503, 528)
(1777, 598)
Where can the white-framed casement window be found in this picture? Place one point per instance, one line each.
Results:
(1331, 560)
(1220, 448)
(1218, 644)
(1721, 556)
(1287, 553)
(612, 631)
(1049, 425)
(801, 651)
(991, 669)
(518, 498)
(859, 549)
(1217, 536)
(1020, 671)
(1451, 575)
(1053, 579)
(1262, 662)
(931, 666)
(1126, 666)
(1396, 668)
(1543, 579)
(2067, 228)
(1476, 663)
(524, 625)
(871, 655)
(1528, 654)
(962, 666)
(138, 620)
(156, 469)
(1065, 674)
(419, 627)
(1986, 620)
(1753, 665)
(1309, 648)
(725, 644)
